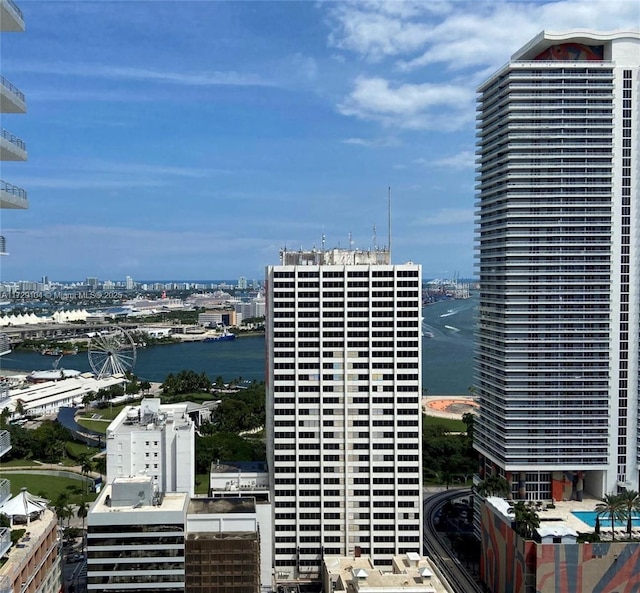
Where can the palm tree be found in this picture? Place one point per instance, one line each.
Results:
(494, 485)
(630, 501)
(612, 507)
(86, 466)
(526, 518)
(81, 513)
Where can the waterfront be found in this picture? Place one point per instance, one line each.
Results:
(447, 356)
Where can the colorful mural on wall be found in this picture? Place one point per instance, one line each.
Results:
(509, 563)
(573, 52)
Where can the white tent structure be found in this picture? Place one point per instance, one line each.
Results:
(24, 507)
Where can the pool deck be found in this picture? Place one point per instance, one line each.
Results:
(563, 514)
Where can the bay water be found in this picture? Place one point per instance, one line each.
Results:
(447, 356)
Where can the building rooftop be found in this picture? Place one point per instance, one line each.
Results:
(150, 415)
(212, 506)
(21, 552)
(223, 467)
(562, 519)
(545, 39)
(335, 257)
(412, 573)
(136, 494)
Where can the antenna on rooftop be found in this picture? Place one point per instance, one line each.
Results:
(350, 241)
(375, 238)
(389, 221)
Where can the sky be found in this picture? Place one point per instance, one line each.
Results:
(196, 139)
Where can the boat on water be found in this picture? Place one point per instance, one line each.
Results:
(225, 336)
(428, 335)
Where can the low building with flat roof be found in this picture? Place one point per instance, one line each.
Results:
(410, 573)
(135, 538)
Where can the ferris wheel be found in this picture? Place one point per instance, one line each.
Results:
(112, 353)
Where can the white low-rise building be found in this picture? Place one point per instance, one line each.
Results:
(135, 538)
(156, 440)
(53, 391)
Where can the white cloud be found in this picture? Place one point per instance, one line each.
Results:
(463, 34)
(372, 143)
(412, 106)
(447, 216)
(465, 159)
(203, 78)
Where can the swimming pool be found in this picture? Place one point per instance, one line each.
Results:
(589, 517)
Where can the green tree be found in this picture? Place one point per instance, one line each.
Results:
(145, 386)
(526, 519)
(611, 507)
(630, 502)
(494, 485)
(19, 409)
(469, 419)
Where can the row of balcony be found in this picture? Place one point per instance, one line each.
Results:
(12, 100)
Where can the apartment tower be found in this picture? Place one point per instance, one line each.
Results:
(12, 101)
(556, 364)
(343, 408)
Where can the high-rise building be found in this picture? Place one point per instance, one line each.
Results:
(128, 283)
(558, 235)
(12, 100)
(343, 408)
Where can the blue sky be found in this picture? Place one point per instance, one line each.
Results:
(195, 139)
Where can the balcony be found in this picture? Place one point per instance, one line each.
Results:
(12, 196)
(11, 19)
(11, 147)
(12, 99)
(5, 447)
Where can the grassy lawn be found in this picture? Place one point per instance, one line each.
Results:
(111, 412)
(76, 450)
(18, 463)
(97, 425)
(48, 486)
(202, 483)
(449, 424)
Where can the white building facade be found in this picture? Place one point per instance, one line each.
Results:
(557, 340)
(343, 408)
(154, 440)
(135, 538)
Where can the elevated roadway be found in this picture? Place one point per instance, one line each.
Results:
(438, 549)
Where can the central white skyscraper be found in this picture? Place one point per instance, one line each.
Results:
(343, 408)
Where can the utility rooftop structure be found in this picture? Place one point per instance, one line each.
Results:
(343, 408)
(557, 336)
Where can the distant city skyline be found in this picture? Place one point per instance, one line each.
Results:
(165, 139)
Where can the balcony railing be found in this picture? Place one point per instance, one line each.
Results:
(13, 139)
(5, 490)
(5, 544)
(5, 446)
(15, 8)
(14, 89)
(14, 190)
